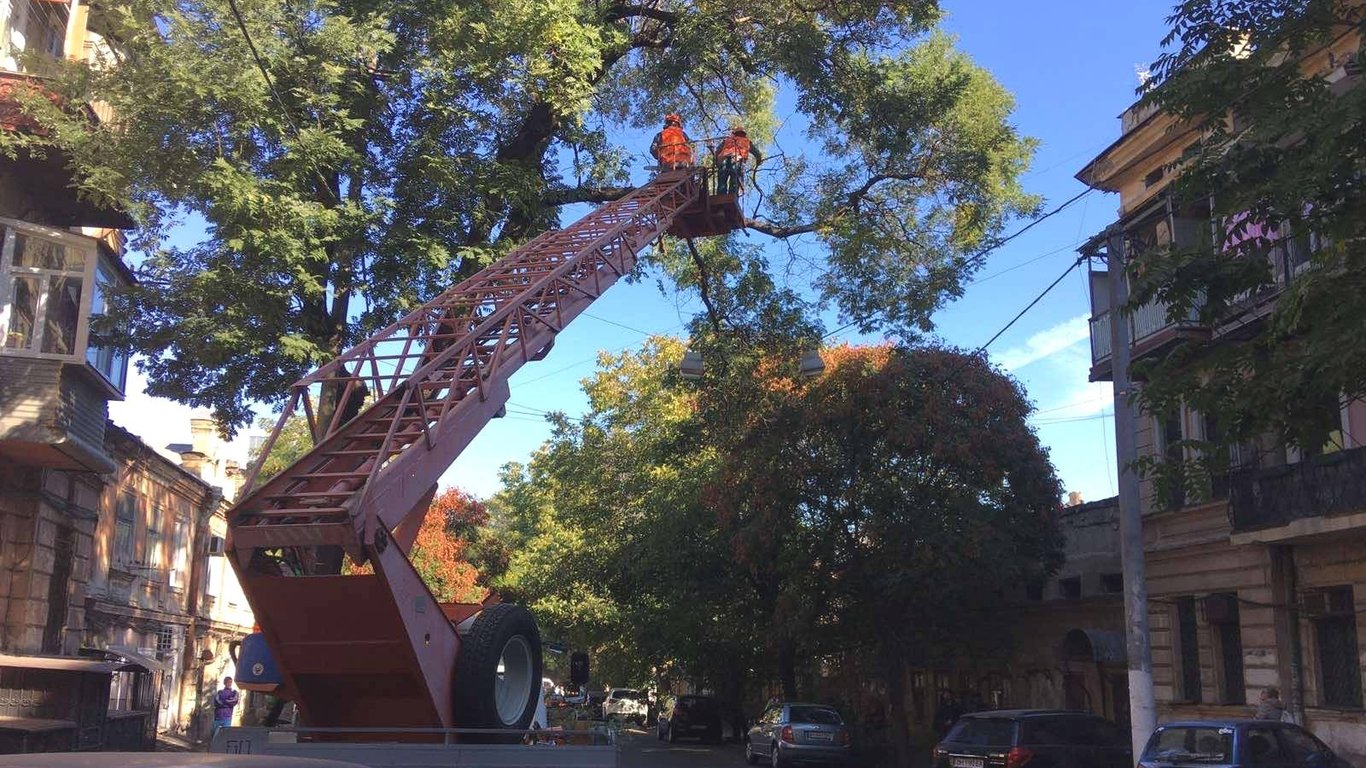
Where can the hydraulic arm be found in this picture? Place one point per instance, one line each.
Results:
(367, 644)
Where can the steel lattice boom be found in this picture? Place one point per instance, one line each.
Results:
(374, 648)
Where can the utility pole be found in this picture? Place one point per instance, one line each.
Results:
(1142, 706)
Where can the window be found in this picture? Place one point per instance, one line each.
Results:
(1228, 638)
(1112, 583)
(112, 363)
(154, 523)
(1303, 749)
(1261, 747)
(125, 515)
(1339, 657)
(180, 552)
(919, 696)
(1187, 651)
(165, 643)
(43, 298)
(1070, 588)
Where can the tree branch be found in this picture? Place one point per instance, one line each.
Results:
(619, 11)
(583, 194)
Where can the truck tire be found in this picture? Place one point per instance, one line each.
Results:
(498, 671)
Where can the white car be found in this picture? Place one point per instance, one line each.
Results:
(625, 704)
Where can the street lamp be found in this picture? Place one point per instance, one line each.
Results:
(811, 365)
(691, 367)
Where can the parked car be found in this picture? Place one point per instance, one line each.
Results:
(1236, 744)
(1039, 738)
(625, 704)
(793, 732)
(689, 716)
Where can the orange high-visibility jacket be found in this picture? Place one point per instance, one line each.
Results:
(673, 147)
(734, 146)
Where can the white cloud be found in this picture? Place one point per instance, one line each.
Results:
(1046, 343)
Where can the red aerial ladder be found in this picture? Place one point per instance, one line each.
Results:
(371, 647)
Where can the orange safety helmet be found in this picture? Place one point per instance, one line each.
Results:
(673, 119)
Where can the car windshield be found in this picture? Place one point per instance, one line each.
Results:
(983, 732)
(1191, 744)
(815, 715)
(623, 693)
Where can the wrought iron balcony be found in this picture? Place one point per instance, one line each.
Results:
(1321, 486)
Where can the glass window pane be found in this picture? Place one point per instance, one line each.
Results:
(62, 315)
(23, 311)
(30, 251)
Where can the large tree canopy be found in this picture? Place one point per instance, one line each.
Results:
(398, 146)
(1281, 158)
(744, 527)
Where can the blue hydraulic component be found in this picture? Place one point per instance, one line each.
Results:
(256, 668)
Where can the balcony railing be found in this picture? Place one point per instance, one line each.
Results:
(1145, 323)
(1331, 484)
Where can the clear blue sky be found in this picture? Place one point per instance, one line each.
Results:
(1071, 66)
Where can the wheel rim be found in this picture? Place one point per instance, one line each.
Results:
(512, 688)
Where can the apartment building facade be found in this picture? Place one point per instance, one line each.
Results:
(114, 596)
(1259, 580)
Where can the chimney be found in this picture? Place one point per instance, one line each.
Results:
(203, 436)
(1074, 499)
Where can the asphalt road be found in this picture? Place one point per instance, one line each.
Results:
(640, 749)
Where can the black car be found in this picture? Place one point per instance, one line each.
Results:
(1236, 744)
(1039, 738)
(690, 716)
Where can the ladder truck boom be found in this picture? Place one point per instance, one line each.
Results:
(371, 646)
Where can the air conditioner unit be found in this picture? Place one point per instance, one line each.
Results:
(217, 545)
(1326, 602)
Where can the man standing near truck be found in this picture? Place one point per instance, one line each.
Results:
(224, 702)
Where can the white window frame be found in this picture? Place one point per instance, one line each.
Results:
(8, 273)
(180, 552)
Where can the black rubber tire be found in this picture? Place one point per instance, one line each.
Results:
(476, 669)
(750, 757)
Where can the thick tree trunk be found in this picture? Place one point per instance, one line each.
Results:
(899, 731)
(787, 668)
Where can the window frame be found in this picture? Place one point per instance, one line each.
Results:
(111, 363)
(125, 550)
(9, 272)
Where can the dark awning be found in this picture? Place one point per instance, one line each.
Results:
(61, 663)
(130, 655)
(1099, 645)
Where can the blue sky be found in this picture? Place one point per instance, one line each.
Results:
(1071, 66)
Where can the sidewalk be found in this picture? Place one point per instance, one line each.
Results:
(169, 742)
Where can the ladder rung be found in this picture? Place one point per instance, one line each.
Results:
(300, 511)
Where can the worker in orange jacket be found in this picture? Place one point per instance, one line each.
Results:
(672, 147)
(735, 149)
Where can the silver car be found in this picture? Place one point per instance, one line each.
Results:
(793, 733)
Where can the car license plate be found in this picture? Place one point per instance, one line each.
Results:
(966, 762)
(819, 736)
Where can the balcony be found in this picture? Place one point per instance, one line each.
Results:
(1150, 330)
(1316, 496)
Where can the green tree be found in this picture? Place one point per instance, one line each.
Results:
(292, 443)
(886, 510)
(745, 526)
(1279, 160)
(397, 147)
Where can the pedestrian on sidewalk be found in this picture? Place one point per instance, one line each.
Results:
(1269, 706)
(224, 702)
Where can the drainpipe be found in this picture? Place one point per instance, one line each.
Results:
(1285, 554)
(198, 564)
